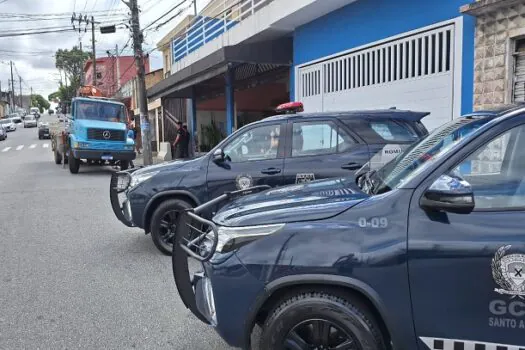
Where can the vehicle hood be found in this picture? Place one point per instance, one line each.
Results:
(98, 124)
(170, 166)
(316, 200)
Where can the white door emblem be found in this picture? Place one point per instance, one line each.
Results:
(508, 272)
(243, 182)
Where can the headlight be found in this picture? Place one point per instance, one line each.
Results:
(231, 238)
(137, 179)
(123, 181)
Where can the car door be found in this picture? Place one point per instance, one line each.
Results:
(467, 271)
(321, 148)
(253, 157)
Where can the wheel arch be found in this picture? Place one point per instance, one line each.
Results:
(155, 201)
(281, 287)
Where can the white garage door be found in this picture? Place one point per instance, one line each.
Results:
(413, 72)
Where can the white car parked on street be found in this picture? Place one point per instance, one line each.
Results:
(8, 124)
(30, 121)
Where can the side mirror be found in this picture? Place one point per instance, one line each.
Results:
(449, 194)
(218, 155)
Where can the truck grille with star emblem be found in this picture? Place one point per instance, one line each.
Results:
(106, 135)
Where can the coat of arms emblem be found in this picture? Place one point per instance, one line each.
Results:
(243, 182)
(508, 272)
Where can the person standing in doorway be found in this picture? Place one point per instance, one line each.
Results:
(180, 146)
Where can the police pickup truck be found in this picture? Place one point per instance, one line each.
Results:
(427, 252)
(288, 148)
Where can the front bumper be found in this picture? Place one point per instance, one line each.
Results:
(209, 294)
(214, 288)
(110, 155)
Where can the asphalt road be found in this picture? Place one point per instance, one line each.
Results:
(71, 275)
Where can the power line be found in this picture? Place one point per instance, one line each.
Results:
(36, 33)
(165, 14)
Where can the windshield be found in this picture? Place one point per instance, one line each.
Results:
(421, 154)
(30, 117)
(104, 111)
(5, 121)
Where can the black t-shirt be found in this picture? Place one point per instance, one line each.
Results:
(183, 137)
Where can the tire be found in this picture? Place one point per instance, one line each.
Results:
(58, 157)
(74, 164)
(352, 318)
(157, 227)
(124, 165)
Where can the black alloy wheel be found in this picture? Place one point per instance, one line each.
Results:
(321, 320)
(319, 334)
(164, 223)
(168, 227)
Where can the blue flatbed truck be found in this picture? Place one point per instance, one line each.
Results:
(95, 133)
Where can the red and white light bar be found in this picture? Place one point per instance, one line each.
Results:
(290, 107)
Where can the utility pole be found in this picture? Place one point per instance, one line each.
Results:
(31, 98)
(87, 21)
(82, 55)
(118, 67)
(12, 89)
(195, 6)
(94, 52)
(138, 37)
(21, 98)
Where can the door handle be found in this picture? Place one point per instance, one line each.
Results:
(351, 166)
(271, 171)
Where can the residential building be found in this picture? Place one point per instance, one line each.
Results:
(331, 55)
(112, 72)
(499, 59)
(4, 104)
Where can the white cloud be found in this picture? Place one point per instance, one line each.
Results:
(33, 55)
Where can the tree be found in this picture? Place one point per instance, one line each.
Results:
(70, 63)
(40, 102)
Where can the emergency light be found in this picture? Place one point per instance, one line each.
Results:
(290, 108)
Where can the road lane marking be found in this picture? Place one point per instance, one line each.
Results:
(33, 145)
(6, 149)
(45, 145)
(19, 147)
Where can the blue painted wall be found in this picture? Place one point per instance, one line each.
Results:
(366, 21)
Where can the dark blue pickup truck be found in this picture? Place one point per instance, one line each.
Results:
(427, 252)
(276, 151)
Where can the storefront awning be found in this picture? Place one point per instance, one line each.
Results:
(179, 85)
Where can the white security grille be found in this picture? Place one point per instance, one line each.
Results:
(519, 72)
(354, 77)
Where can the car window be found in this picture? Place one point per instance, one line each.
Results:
(392, 130)
(315, 138)
(496, 171)
(258, 143)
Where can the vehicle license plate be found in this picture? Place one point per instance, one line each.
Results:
(107, 157)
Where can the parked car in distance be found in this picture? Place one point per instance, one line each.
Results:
(43, 131)
(51, 111)
(16, 118)
(276, 151)
(3, 133)
(416, 255)
(8, 124)
(30, 121)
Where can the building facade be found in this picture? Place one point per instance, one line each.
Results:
(112, 72)
(331, 55)
(499, 60)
